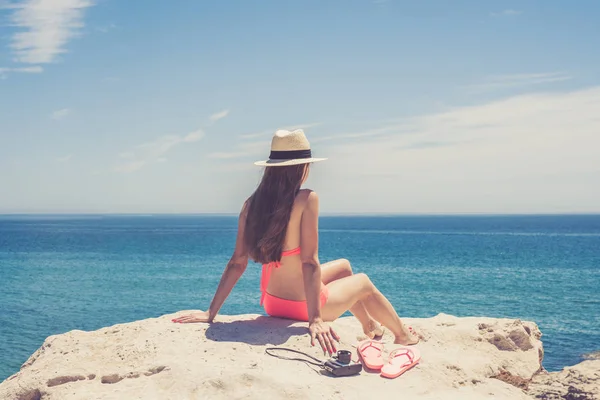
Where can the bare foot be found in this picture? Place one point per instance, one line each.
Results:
(408, 338)
(373, 330)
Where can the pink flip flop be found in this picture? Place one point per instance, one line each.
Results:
(400, 360)
(370, 353)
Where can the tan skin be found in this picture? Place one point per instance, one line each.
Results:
(347, 291)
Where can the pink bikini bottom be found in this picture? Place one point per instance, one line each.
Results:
(292, 309)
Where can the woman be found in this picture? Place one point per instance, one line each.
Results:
(278, 227)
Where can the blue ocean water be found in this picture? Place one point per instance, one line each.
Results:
(59, 273)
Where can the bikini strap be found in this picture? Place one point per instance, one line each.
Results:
(291, 252)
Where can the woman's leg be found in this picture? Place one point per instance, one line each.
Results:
(344, 293)
(338, 269)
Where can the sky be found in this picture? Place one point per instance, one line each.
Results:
(428, 107)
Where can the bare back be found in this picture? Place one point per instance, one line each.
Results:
(286, 281)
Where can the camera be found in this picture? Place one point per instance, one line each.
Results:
(341, 364)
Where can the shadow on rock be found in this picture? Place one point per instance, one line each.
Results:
(261, 331)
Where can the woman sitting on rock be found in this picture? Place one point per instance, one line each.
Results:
(278, 227)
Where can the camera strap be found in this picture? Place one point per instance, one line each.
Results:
(313, 360)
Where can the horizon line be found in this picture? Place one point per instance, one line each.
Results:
(324, 214)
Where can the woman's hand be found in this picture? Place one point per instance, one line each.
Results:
(324, 334)
(202, 316)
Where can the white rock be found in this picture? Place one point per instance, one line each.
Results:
(157, 359)
(579, 382)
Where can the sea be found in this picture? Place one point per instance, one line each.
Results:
(85, 272)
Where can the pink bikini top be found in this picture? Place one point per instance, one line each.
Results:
(266, 272)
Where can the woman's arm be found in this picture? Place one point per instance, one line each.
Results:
(233, 271)
(309, 251)
(311, 272)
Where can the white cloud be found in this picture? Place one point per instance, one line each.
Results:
(154, 151)
(530, 153)
(61, 114)
(194, 136)
(27, 70)
(508, 81)
(397, 127)
(65, 159)
(106, 28)
(220, 115)
(528, 77)
(45, 27)
(506, 13)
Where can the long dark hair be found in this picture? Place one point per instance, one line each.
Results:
(269, 209)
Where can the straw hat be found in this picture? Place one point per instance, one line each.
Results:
(289, 148)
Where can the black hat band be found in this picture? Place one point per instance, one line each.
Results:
(289, 154)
